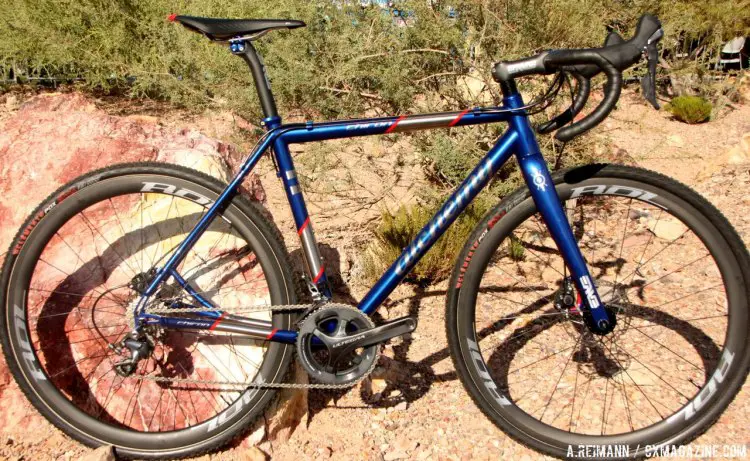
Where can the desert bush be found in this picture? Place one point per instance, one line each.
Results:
(347, 60)
(397, 229)
(690, 109)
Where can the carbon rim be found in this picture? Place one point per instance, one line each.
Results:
(60, 403)
(536, 320)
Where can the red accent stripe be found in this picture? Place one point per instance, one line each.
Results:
(172, 17)
(393, 126)
(273, 332)
(213, 325)
(320, 274)
(458, 117)
(302, 227)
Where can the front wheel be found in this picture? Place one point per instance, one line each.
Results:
(665, 260)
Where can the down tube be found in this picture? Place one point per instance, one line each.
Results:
(466, 192)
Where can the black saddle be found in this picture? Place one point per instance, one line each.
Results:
(227, 29)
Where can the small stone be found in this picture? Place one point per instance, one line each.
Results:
(394, 455)
(377, 385)
(637, 214)
(11, 102)
(249, 454)
(103, 453)
(667, 229)
(675, 140)
(401, 406)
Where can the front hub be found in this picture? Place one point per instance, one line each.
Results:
(570, 302)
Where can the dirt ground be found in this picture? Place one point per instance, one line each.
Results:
(422, 411)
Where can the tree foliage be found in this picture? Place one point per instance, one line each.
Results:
(347, 60)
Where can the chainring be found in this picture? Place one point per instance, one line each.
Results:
(320, 360)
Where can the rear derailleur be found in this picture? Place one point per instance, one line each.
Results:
(137, 346)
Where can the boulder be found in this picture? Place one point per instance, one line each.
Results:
(54, 138)
(51, 140)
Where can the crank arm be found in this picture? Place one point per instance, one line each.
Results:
(387, 331)
(339, 348)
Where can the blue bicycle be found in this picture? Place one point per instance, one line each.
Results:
(155, 308)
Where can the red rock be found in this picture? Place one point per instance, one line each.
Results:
(54, 138)
(51, 140)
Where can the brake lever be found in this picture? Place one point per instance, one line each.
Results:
(648, 81)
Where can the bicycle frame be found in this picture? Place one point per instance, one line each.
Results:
(519, 139)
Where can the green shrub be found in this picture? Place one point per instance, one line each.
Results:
(515, 248)
(690, 109)
(398, 229)
(347, 60)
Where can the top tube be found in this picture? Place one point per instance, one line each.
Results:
(320, 131)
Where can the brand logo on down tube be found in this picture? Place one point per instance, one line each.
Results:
(437, 225)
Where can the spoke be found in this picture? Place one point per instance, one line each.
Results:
(580, 410)
(651, 236)
(622, 243)
(99, 327)
(122, 228)
(650, 325)
(109, 245)
(604, 407)
(554, 390)
(656, 254)
(631, 378)
(670, 350)
(573, 404)
(641, 287)
(75, 364)
(627, 403)
(97, 309)
(689, 295)
(541, 360)
(547, 262)
(524, 284)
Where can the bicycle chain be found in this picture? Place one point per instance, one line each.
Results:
(245, 310)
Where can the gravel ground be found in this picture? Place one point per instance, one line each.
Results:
(414, 407)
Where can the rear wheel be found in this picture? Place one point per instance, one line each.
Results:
(70, 278)
(665, 260)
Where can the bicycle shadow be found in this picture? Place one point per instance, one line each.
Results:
(75, 360)
(408, 381)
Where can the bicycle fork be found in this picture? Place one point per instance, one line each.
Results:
(537, 176)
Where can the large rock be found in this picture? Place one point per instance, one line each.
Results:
(54, 138)
(51, 140)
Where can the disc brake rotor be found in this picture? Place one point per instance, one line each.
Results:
(319, 342)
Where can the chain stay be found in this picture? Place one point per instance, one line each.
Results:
(235, 384)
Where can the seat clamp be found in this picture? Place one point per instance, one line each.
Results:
(237, 46)
(270, 122)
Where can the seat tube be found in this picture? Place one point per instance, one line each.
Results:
(313, 261)
(537, 177)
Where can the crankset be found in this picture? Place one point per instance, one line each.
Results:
(339, 344)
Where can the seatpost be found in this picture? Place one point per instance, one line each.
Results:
(245, 49)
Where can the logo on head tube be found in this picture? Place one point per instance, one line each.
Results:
(538, 178)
